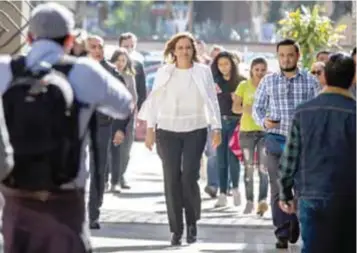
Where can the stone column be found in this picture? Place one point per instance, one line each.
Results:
(354, 27)
(13, 16)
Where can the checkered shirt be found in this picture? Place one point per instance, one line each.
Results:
(278, 96)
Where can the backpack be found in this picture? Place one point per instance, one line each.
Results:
(42, 117)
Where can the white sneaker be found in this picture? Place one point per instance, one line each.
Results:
(249, 207)
(222, 200)
(236, 197)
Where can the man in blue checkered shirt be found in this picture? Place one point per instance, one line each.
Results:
(276, 99)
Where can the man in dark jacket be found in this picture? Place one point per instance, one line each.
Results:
(319, 164)
(105, 129)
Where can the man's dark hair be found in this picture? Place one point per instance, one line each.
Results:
(353, 52)
(126, 36)
(60, 40)
(288, 42)
(322, 52)
(340, 70)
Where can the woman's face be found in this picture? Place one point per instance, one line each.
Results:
(121, 62)
(224, 66)
(78, 49)
(259, 71)
(318, 71)
(183, 50)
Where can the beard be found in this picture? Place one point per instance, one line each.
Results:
(290, 69)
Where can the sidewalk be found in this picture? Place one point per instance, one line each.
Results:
(145, 202)
(136, 221)
(151, 238)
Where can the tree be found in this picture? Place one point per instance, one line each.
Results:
(133, 16)
(312, 30)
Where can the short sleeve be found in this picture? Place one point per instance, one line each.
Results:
(241, 89)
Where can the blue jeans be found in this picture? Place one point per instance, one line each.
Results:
(328, 225)
(212, 171)
(227, 161)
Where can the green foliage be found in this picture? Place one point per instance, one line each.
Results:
(312, 30)
(133, 16)
(293, 5)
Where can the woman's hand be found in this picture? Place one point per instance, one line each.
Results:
(150, 138)
(247, 109)
(216, 138)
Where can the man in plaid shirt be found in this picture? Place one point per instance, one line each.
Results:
(319, 161)
(276, 99)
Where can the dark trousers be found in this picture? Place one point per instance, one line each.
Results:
(96, 195)
(251, 142)
(281, 220)
(120, 156)
(328, 226)
(55, 225)
(227, 162)
(181, 156)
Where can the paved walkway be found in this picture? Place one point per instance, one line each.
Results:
(136, 221)
(145, 202)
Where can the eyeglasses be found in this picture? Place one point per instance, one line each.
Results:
(316, 73)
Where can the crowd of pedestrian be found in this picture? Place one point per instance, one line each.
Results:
(68, 115)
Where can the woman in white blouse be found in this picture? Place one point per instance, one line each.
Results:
(182, 104)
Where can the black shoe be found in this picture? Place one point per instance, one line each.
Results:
(294, 231)
(94, 225)
(125, 186)
(176, 240)
(211, 191)
(191, 236)
(282, 243)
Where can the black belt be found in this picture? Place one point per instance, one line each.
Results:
(226, 117)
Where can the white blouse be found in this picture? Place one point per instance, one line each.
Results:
(182, 108)
(177, 97)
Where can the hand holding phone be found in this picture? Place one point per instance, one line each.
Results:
(270, 123)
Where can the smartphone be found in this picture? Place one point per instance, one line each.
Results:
(275, 120)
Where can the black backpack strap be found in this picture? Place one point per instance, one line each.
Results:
(65, 64)
(18, 66)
